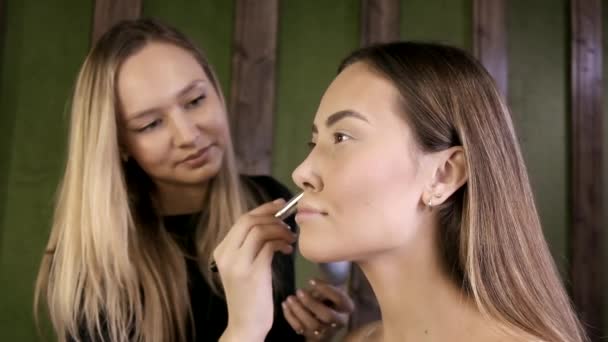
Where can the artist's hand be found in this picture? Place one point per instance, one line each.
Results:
(244, 260)
(318, 311)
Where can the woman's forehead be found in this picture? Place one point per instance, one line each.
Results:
(359, 88)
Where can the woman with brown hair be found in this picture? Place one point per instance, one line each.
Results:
(415, 174)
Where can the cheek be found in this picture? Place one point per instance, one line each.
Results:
(375, 185)
(151, 151)
(386, 198)
(373, 203)
(214, 124)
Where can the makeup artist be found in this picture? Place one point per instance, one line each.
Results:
(151, 194)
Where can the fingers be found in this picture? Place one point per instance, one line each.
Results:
(292, 319)
(304, 322)
(244, 224)
(321, 311)
(262, 234)
(269, 208)
(262, 215)
(338, 297)
(264, 258)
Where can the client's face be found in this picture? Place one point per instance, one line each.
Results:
(364, 176)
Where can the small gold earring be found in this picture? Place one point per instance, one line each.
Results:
(431, 202)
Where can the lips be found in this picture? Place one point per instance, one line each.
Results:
(307, 211)
(196, 154)
(310, 210)
(197, 158)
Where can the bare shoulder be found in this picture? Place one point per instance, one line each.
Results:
(367, 332)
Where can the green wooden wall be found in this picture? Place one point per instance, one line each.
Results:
(538, 94)
(44, 44)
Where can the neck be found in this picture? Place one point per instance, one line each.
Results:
(418, 299)
(180, 199)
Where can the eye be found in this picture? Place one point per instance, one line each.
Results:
(340, 137)
(195, 102)
(150, 126)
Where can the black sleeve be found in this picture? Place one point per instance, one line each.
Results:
(267, 189)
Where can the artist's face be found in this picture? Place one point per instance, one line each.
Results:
(173, 121)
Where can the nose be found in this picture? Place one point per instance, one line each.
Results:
(306, 177)
(185, 130)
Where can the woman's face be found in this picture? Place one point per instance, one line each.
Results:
(173, 121)
(364, 176)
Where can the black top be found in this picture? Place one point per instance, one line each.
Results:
(208, 309)
(210, 312)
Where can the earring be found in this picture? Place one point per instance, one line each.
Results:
(430, 204)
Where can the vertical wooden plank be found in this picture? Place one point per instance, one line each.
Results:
(587, 179)
(109, 12)
(490, 39)
(252, 96)
(379, 21)
(605, 146)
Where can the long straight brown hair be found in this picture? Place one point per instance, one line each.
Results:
(491, 235)
(110, 269)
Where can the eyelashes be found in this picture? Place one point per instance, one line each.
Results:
(192, 104)
(338, 138)
(150, 126)
(195, 102)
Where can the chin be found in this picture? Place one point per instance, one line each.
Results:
(319, 251)
(200, 175)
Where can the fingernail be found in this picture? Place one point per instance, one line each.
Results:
(279, 200)
(316, 332)
(312, 282)
(284, 305)
(333, 325)
(300, 332)
(290, 299)
(300, 293)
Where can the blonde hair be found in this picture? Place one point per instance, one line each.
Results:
(110, 269)
(491, 235)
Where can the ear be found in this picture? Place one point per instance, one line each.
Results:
(450, 174)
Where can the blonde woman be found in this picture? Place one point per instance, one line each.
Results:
(149, 191)
(415, 174)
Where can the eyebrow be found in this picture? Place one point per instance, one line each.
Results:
(181, 93)
(338, 116)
